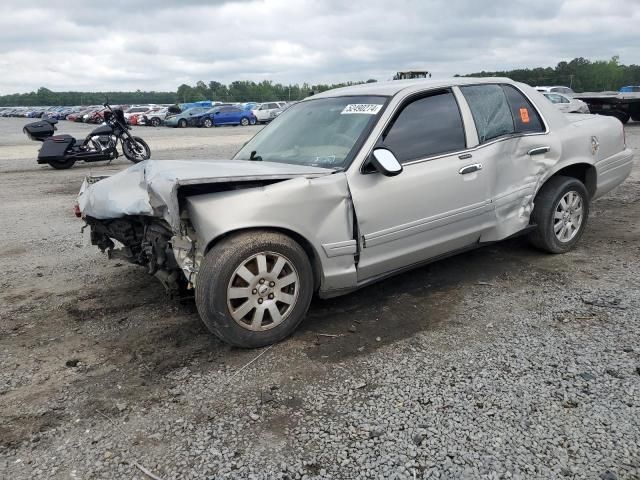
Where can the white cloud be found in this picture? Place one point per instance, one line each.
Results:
(159, 44)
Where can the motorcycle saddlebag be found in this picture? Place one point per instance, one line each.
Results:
(41, 130)
(54, 148)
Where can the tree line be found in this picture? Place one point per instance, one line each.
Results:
(580, 74)
(44, 96)
(238, 91)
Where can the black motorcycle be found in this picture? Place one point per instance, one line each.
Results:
(62, 151)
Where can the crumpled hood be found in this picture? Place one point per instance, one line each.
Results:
(151, 187)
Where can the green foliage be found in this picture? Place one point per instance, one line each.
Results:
(238, 91)
(44, 96)
(580, 74)
(246, 90)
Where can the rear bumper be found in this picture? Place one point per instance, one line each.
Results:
(612, 171)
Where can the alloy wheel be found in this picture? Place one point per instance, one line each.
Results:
(568, 216)
(263, 291)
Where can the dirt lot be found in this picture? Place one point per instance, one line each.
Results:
(499, 363)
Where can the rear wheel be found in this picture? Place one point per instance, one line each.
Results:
(62, 164)
(622, 116)
(253, 289)
(155, 122)
(244, 122)
(136, 149)
(182, 123)
(560, 211)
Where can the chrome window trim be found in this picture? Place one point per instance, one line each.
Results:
(501, 138)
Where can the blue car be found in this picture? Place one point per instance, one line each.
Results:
(227, 115)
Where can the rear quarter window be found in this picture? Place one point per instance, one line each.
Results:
(525, 116)
(490, 109)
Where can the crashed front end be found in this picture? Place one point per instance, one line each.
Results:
(139, 214)
(149, 242)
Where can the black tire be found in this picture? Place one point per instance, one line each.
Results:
(62, 164)
(156, 122)
(622, 116)
(546, 204)
(207, 123)
(635, 117)
(215, 274)
(130, 151)
(244, 121)
(182, 123)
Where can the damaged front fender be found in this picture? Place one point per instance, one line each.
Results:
(318, 210)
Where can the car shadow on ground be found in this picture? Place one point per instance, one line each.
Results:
(414, 301)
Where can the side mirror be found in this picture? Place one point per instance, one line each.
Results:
(385, 162)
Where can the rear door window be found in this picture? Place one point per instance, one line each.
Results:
(490, 110)
(527, 119)
(428, 126)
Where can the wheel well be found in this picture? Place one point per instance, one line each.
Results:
(582, 171)
(316, 266)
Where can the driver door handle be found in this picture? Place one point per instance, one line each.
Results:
(470, 168)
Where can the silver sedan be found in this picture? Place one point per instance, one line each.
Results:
(354, 185)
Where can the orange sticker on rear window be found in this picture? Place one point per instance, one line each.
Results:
(524, 115)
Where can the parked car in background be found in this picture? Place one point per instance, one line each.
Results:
(136, 109)
(567, 104)
(226, 115)
(95, 116)
(133, 118)
(35, 112)
(557, 89)
(265, 112)
(189, 117)
(354, 185)
(80, 115)
(154, 117)
(630, 89)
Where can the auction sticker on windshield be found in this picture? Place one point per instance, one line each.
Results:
(368, 108)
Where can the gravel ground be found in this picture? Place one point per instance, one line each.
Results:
(500, 363)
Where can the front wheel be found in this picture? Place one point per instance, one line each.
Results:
(560, 212)
(244, 122)
(136, 149)
(155, 122)
(182, 123)
(207, 123)
(253, 289)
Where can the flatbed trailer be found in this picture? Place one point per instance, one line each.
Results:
(623, 106)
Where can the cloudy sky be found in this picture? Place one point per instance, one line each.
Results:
(159, 44)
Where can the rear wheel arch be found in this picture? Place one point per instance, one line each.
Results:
(306, 245)
(585, 172)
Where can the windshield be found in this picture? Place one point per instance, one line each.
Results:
(322, 132)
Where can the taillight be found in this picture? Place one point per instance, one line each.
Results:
(76, 210)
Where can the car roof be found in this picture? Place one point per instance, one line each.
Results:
(393, 87)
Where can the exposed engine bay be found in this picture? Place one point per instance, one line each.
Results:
(145, 241)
